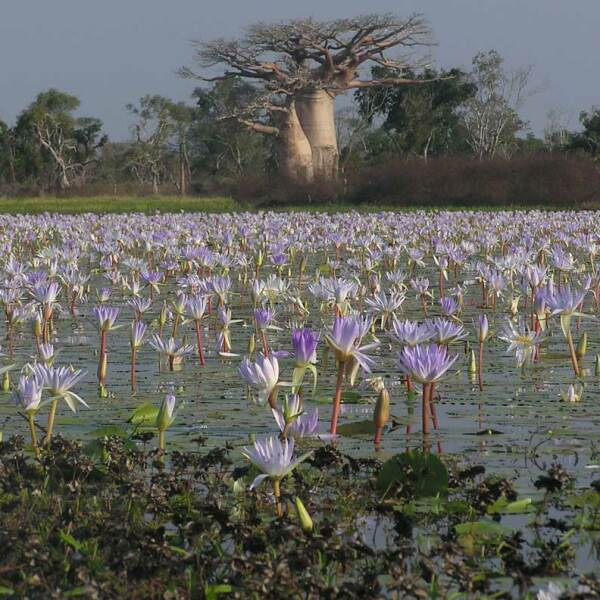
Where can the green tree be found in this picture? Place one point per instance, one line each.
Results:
(588, 139)
(224, 147)
(7, 163)
(422, 119)
(55, 144)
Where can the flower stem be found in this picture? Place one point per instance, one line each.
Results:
(573, 355)
(337, 399)
(265, 345)
(277, 493)
(199, 342)
(161, 439)
(51, 418)
(480, 367)
(425, 408)
(36, 448)
(133, 375)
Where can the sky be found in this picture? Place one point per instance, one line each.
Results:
(111, 52)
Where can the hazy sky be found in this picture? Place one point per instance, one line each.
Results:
(111, 52)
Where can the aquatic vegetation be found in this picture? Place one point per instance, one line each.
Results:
(491, 331)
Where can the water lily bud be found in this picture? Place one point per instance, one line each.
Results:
(303, 264)
(472, 363)
(514, 306)
(37, 326)
(305, 521)
(382, 409)
(251, 344)
(484, 328)
(6, 382)
(165, 413)
(164, 315)
(259, 259)
(582, 346)
(102, 367)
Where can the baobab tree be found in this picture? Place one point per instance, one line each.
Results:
(300, 67)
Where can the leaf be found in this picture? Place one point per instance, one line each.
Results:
(503, 506)
(212, 591)
(69, 540)
(180, 551)
(482, 530)
(424, 474)
(144, 415)
(357, 428)
(78, 591)
(6, 591)
(590, 499)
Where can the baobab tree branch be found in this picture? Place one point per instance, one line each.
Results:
(388, 81)
(259, 127)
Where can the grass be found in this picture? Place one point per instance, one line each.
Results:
(217, 204)
(116, 204)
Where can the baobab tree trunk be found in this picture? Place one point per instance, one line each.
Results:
(316, 116)
(295, 153)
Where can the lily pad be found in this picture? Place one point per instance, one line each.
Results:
(424, 474)
(358, 428)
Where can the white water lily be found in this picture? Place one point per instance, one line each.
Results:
(59, 381)
(273, 457)
(262, 375)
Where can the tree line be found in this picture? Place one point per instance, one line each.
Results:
(398, 112)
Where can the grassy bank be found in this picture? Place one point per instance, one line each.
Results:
(116, 204)
(166, 204)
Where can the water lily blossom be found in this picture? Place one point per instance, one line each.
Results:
(275, 459)
(263, 376)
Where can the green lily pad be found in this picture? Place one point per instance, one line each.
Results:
(357, 428)
(424, 474)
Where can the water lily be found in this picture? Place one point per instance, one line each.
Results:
(522, 341)
(138, 331)
(29, 395)
(293, 420)
(59, 381)
(344, 339)
(263, 376)
(170, 348)
(567, 303)
(426, 364)
(196, 307)
(275, 459)
(106, 317)
(304, 344)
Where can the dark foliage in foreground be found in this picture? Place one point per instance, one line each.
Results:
(128, 526)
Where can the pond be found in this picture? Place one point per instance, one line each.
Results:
(520, 424)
